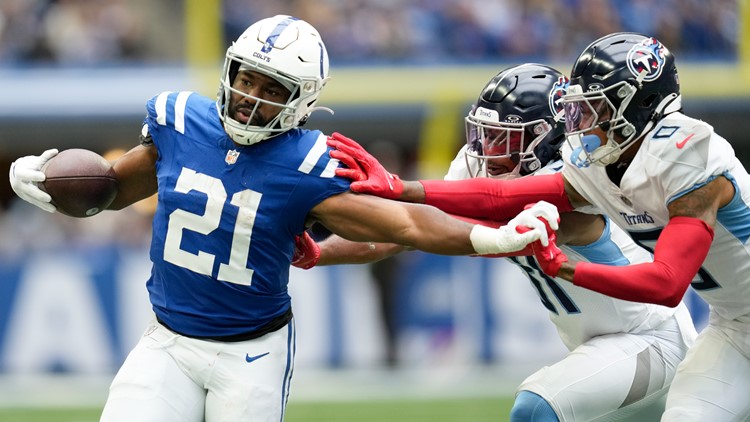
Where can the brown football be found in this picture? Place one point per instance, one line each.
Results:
(81, 182)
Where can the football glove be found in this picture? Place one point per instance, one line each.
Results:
(306, 252)
(550, 257)
(24, 175)
(530, 225)
(368, 175)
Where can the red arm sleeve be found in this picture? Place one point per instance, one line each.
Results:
(679, 253)
(495, 199)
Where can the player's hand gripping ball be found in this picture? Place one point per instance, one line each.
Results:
(81, 182)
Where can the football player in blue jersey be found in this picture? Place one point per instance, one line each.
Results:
(237, 181)
(623, 355)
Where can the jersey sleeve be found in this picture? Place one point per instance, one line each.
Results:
(685, 155)
(184, 113)
(156, 115)
(318, 180)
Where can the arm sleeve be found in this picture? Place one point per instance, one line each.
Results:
(663, 281)
(495, 199)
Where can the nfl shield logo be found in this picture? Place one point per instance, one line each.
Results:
(232, 155)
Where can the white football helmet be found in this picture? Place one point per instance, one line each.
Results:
(288, 50)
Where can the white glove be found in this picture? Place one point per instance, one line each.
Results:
(507, 238)
(24, 175)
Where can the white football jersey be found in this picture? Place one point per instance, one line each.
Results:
(581, 314)
(678, 156)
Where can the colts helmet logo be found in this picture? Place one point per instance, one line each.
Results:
(559, 89)
(647, 55)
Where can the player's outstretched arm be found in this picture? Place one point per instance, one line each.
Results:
(136, 176)
(679, 253)
(479, 198)
(663, 281)
(335, 250)
(368, 218)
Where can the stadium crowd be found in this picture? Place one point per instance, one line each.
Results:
(85, 33)
(478, 30)
(80, 32)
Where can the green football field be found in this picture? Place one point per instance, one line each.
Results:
(443, 410)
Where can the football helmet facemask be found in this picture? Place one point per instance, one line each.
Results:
(290, 51)
(622, 83)
(514, 118)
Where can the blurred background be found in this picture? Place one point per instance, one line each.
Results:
(77, 74)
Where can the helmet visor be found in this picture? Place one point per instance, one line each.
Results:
(502, 148)
(585, 112)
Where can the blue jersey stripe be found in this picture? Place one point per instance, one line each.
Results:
(735, 215)
(291, 346)
(604, 250)
(322, 65)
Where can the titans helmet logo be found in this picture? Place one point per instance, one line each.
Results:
(648, 56)
(559, 89)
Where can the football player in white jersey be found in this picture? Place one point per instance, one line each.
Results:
(672, 182)
(623, 354)
(237, 180)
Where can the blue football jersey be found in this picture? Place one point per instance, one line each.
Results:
(227, 215)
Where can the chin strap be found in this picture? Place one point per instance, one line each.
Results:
(303, 120)
(670, 104)
(326, 109)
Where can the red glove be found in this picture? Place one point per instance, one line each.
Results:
(306, 252)
(550, 258)
(368, 174)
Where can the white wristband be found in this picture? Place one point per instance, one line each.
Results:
(484, 239)
(506, 239)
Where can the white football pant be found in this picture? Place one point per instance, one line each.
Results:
(616, 376)
(168, 377)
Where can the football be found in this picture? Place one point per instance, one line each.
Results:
(81, 182)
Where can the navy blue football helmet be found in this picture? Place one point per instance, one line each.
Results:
(622, 83)
(514, 117)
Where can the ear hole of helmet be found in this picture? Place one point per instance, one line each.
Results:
(649, 101)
